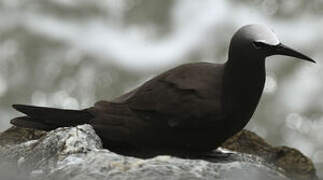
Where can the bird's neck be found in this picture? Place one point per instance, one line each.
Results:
(243, 85)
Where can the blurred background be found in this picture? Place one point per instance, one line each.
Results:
(71, 53)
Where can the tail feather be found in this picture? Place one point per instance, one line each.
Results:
(27, 122)
(49, 118)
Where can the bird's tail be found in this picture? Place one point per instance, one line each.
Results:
(45, 118)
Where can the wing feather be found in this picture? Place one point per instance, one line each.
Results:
(182, 96)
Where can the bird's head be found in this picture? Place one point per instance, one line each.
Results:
(258, 41)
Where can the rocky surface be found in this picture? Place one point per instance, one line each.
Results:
(291, 161)
(76, 153)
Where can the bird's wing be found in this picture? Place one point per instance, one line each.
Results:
(180, 97)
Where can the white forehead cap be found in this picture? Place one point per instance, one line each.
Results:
(257, 32)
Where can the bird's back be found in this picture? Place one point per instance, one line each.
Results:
(179, 109)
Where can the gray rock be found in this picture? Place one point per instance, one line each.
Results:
(76, 153)
(289, 161)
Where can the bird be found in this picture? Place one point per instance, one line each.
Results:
(192, 108)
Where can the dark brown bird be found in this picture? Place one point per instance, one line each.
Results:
(191, 108)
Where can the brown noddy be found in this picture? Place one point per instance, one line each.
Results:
(190, 108)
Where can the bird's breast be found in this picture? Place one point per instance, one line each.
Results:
(242, 90)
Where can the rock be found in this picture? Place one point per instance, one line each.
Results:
(76, 153)
(292, 162)
(16, 135)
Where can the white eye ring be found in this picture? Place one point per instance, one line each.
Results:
(255, 45)
(258, 44)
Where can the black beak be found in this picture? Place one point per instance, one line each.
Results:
(281, 49)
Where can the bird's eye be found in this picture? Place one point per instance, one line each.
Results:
(259, 45)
